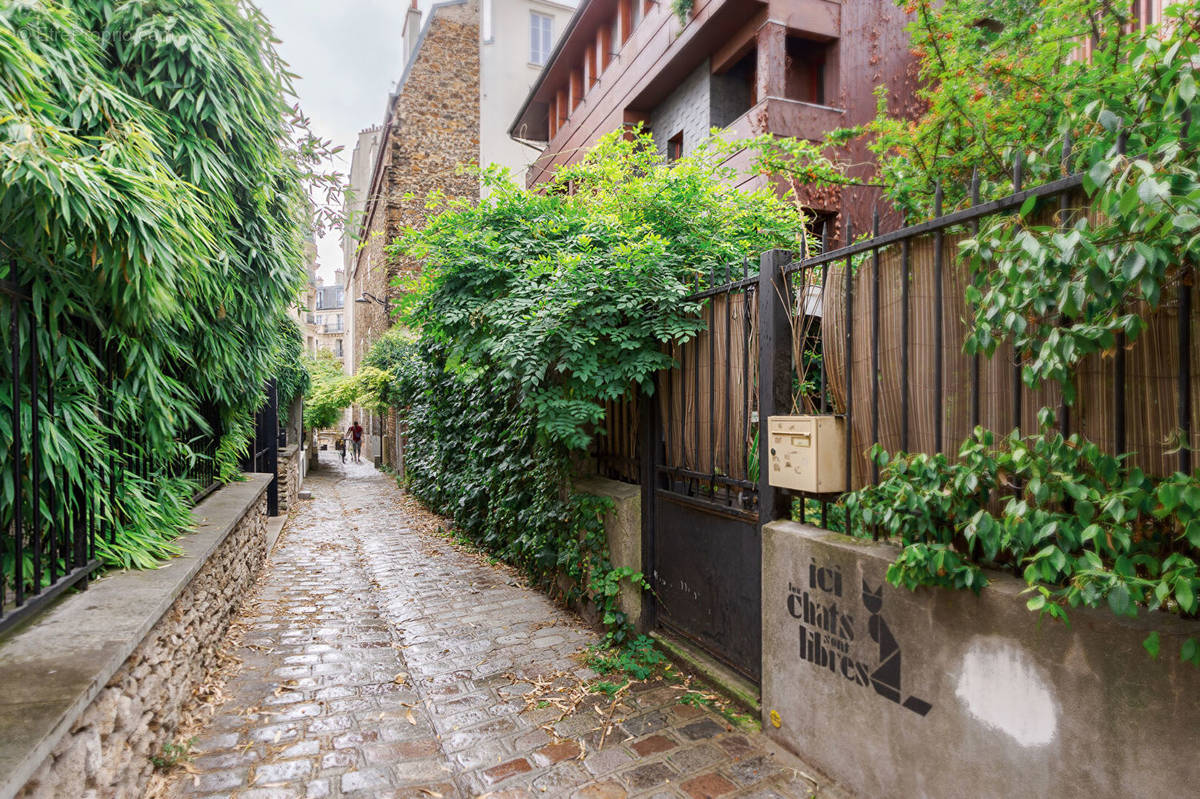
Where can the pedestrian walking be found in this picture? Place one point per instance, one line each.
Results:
(354, 434)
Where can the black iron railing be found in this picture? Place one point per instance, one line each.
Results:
(51, 517)
(890, 319)
(51, 522)
(262, 456)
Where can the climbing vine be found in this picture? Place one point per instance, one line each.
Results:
(1082, 527)
(535, 308)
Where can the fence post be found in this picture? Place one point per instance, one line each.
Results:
(271, 423)
(648, 433)
(774, 372)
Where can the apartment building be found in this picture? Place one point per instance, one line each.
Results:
(788, 67)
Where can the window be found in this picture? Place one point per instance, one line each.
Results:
(539, 38)
(675, 147)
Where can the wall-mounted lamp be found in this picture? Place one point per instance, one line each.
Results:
(369, 297)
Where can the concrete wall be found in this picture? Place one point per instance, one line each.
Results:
(93, 688)
(940, 693)
(685, 109)
(505, 75)
(623, 528)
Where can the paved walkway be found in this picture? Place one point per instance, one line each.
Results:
(382, 661)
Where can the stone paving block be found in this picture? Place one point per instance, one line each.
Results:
(752, 770)
(601, 790)
(505, 770)
(708, 786)
(649, 776)
(287, 771)
(367, 779)
(652, 745)
(698, 731)
(697, 758)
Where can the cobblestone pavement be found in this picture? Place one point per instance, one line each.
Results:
(380, 661)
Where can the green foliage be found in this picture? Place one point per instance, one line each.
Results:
(1063, 290)
(638, 659)
(1002, 78)
(292, 376)
(682, 9)
(395, 352)
(173, 754)
(532, 311)
(1076, 524)
(997, 77)
(332, 390)
(570, 294)
(152, 198)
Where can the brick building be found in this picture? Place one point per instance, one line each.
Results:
(789, 67)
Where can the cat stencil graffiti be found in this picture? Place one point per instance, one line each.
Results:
(828, 631)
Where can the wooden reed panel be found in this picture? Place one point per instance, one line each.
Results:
(617, 445)
(1152, 368)
(699, 429)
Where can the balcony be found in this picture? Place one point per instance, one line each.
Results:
(333, 327)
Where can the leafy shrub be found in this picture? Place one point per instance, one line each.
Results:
(533, 310)
(152, 199)
(1079, 525)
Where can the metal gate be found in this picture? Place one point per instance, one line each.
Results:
(262, 455)
(701, 486)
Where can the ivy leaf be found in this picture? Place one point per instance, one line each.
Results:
(1118, 599)
(1190, 652)
(1152, 644)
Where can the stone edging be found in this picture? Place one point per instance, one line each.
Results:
(54, 668)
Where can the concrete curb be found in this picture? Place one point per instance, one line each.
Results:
(54, 667)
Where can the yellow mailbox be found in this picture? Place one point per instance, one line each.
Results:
(807, 453)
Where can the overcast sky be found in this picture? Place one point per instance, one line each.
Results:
(347, 54)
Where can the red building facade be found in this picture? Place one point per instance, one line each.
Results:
(797, 68)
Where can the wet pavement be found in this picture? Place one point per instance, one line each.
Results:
(381, 660)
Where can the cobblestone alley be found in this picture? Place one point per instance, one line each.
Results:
(378, 660)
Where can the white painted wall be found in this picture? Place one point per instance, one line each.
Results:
(506, 74)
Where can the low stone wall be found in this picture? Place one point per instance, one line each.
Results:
(940, 693)
(94, 688)
(289, 478)
(623, 529)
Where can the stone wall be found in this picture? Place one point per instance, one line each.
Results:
(289, 478)
(107, 750)
(623, 530)
(941, 693)
(433, 127)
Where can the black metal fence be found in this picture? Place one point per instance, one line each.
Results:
(708, 407)
(52, 517)
(50, 521)
(890, 317)
(262, 456)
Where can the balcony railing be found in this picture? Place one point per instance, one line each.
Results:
(334, 327)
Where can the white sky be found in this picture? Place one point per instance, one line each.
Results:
(347, 54)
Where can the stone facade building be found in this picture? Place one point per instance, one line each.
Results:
(431, 127)
(467, 67)
(796, 68)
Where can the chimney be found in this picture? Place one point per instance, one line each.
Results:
(412, 30)
(339, 277)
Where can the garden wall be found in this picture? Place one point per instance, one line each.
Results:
(289, 477)
(940, 693)
(93, 688)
